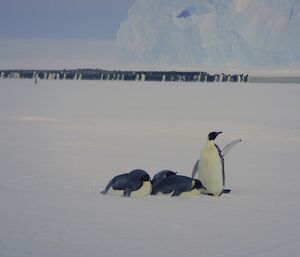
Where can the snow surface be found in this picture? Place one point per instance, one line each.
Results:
(61, 141)
(251, 33)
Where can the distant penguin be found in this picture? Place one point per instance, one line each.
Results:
(133, 184)
(161, 175)
(177, 185)
(210, 166)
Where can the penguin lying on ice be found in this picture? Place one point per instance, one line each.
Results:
(176, 185)
(210, 166)
(133, 184)
(161, 175)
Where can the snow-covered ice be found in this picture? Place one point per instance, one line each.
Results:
(61, 141)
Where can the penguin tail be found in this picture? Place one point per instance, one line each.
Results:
(228, 147)
(104, 192)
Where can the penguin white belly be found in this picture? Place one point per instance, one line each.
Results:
(210, 171)
(144, 190)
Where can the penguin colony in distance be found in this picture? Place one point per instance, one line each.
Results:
(211, 177)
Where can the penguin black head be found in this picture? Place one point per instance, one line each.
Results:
(145, 177)
(198, 184)
(213, 135)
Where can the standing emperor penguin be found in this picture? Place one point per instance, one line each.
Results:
(210, 166)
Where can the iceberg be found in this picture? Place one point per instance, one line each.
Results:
(229, 33)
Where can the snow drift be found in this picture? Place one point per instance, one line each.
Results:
(210, 32)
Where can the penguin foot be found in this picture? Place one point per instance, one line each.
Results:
(226, 191)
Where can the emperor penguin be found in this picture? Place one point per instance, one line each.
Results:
(136, 183)
(161, 175)
(210, 166)
(177, 185)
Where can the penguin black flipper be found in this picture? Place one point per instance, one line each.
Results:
(195, 169)
(106, 189)
(228, 147)
(225, 191)
(222, 153)
(223, 163)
